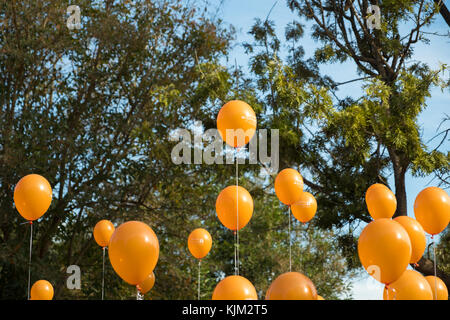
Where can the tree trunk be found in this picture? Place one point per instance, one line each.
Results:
(443, 11)
(400, 188)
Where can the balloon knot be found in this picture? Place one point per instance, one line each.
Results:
(234, 232)
(416, 264)
(31, 222)
(432, 237)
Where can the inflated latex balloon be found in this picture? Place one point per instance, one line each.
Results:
(289, 186)
(236, 123)
(416, 235)
(384, 250)
(147, 284)
(432, 209)
(305, 208)
(32, 196)
(103, 231)
(199, 243)
(229, 200)
(436, 282)
(133, 251)
(234, 288)
(41, 290)
(410, 286)
(380, 201)
(292, 286)
(320, 297)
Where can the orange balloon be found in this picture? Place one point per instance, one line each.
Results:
(320, 297)
(147, 284)
(234, 288)
(292, 286)
(32, 196)
(416, 235)
(410, 286)
(233, 117)
(432, 209)
(133, 251)
(103, 231)
(381, 202)
(199, 243)
(267, 293)
(229, 201)
(384, 250)
(289, 186)
(435, 282)
(41, 290)
(305, 208)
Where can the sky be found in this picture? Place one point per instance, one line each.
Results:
(242, 14)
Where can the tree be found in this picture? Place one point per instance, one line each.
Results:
(342, 146)
(87, 110)
(92, 111)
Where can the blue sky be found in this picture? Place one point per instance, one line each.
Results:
(242, 14)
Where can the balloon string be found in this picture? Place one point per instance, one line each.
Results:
(290, 249)
(103, 274)
(235, 254)
(435, 276)
(199, 266)
(139, 296)
(237, 212)
(29, 259)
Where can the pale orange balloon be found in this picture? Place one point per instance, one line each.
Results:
(384, 250)
(147, 284)
(41, 290)
(432, 209)
(199, 243)
(381, 202)
(442, 291)
(230, 200)
(133, 251)
(32, 196)
(320, 297)
(289, 186)
(292, 286)
(103, 231)
(410, 286)
(234, 288)
(236, 123)
(416, 235)
(305, 208)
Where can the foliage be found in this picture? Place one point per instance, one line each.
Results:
(92, 110)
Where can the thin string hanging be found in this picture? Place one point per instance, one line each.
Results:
(29, 259)
(435, 273)
(236, 243)
(237, 213)
(199, 266)
(290, 245)
(139, 296)
(103, 274)
(235, 253)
